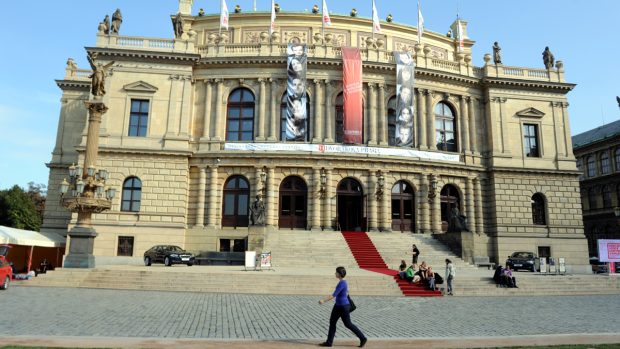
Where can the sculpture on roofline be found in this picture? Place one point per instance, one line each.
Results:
(178, 25)
(98, 76)
(117, 20)
(548, 58)
(497, 54)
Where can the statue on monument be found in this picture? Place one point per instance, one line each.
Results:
(257, 212)
(104, 26)
(98, 76)
(548, 58)
(178, 25)
(497, 54)
(457, 222)
(117, 19)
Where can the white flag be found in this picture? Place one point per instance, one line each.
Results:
(459, 34)
(326, 19)
(224, 15)
(376, 26)
(272, 26)
(420, 23)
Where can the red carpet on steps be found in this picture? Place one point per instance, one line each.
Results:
(368, 258)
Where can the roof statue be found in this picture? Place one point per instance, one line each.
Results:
(98, 76)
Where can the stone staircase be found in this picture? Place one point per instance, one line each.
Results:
(305, 249)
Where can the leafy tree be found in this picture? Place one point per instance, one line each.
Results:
(18, 210)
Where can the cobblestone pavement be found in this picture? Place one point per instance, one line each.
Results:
(42, 311)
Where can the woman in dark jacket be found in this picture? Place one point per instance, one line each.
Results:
(415, 252)
(341, 310)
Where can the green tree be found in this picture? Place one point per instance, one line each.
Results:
(18, 210)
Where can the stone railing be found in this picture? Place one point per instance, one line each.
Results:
(73, 73)
(460, 66)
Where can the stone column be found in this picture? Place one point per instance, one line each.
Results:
(423, 218)
(329, 216)
(260, 134)
(185, 112)
(430, 118)
(373, 198)
(372, 127)
(472, 126)
(478, 203)
(206, 121)
(272, 195)
(200, 205)
(568, 141)
(463, 116)
(173, 123)
(386, 212)
(314, 196)
(274, 120)
(317, 130)
(382, 116)
(329, 113)
(421, 141)
(213, 194)
(469, 204)
(220, 117)
(436, 210)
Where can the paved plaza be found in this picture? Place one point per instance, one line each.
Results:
(44, 313)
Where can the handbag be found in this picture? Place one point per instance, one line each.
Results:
(352, 305)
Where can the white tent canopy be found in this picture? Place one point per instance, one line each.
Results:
(29, 238)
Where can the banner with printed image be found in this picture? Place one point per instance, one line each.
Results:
(297, 101)
(405, 70)
(353, 99)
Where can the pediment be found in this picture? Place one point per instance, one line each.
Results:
(530, 113)
(140, 86)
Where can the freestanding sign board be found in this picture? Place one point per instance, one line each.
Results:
(562, 265)
(250, 260)
(552, 268)
(265, 260)
(543, 264)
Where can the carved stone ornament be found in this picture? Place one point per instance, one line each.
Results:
(530, 113)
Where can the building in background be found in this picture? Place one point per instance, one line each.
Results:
(598, 158)
(196, 130)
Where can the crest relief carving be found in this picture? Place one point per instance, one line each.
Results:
(337, 38)
(296, 35)
(251, 36)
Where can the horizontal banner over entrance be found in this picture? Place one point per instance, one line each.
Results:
(342, 149)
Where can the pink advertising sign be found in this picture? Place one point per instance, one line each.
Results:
(609, 250)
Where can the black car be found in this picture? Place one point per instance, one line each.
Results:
(169, 255)
(522, 260)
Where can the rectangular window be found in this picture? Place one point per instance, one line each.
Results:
(224, 245)
(125, 246)
(232, 245)
(530, 140)
(138, 118)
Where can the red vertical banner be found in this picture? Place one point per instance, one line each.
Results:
(353, 102)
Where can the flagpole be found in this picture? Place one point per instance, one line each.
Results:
(373, 20)
(220, 33)
(419, 35)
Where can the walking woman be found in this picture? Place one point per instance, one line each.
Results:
(341, 310)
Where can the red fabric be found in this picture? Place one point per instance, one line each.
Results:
(352, 86)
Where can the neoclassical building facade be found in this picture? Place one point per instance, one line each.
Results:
(194, 132)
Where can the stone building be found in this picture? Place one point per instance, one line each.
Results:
(598, 158)
(194, 132)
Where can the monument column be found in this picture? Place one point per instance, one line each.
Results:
(330, 216)
(464, 115)
(373, 198)
(422, 143)
(260, 134)
(472, 127)
(220, 118)
(274, 118)
(423, 204)
(317, 131)
(272, 193)
(372, 127)
(329, 113)
(386, 212)
(213, 185)
(382, 115)
(430, 118)
(316, 202)
(469, 203)
(478, 202)
(206, 121)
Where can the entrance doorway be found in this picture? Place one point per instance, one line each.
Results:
(293, 203)
(403, 209)
(350, 205)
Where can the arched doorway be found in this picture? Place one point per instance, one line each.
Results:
(293, 203)
(403, 209)
(449, 199)
(236, 203)
(351, 205)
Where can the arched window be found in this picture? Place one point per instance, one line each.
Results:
(340, 118)
(283, 107)
(538, 209)
(604, 163)
(236, 203)
(592, 198)
(445, 127)
(617, 158)
(132, 194)
(591, 165)
(391, 119)
(240, 115)
(606, 196)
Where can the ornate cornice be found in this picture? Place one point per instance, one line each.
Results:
(526, 84)
(119, 54)
(73, 85)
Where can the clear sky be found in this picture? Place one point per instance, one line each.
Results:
(37, 37)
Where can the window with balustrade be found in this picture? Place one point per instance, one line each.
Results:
(240, 115)
(445, 127)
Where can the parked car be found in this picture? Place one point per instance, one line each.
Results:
(6, 270)
(522, 260)
(169, 255)
(598, 267)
